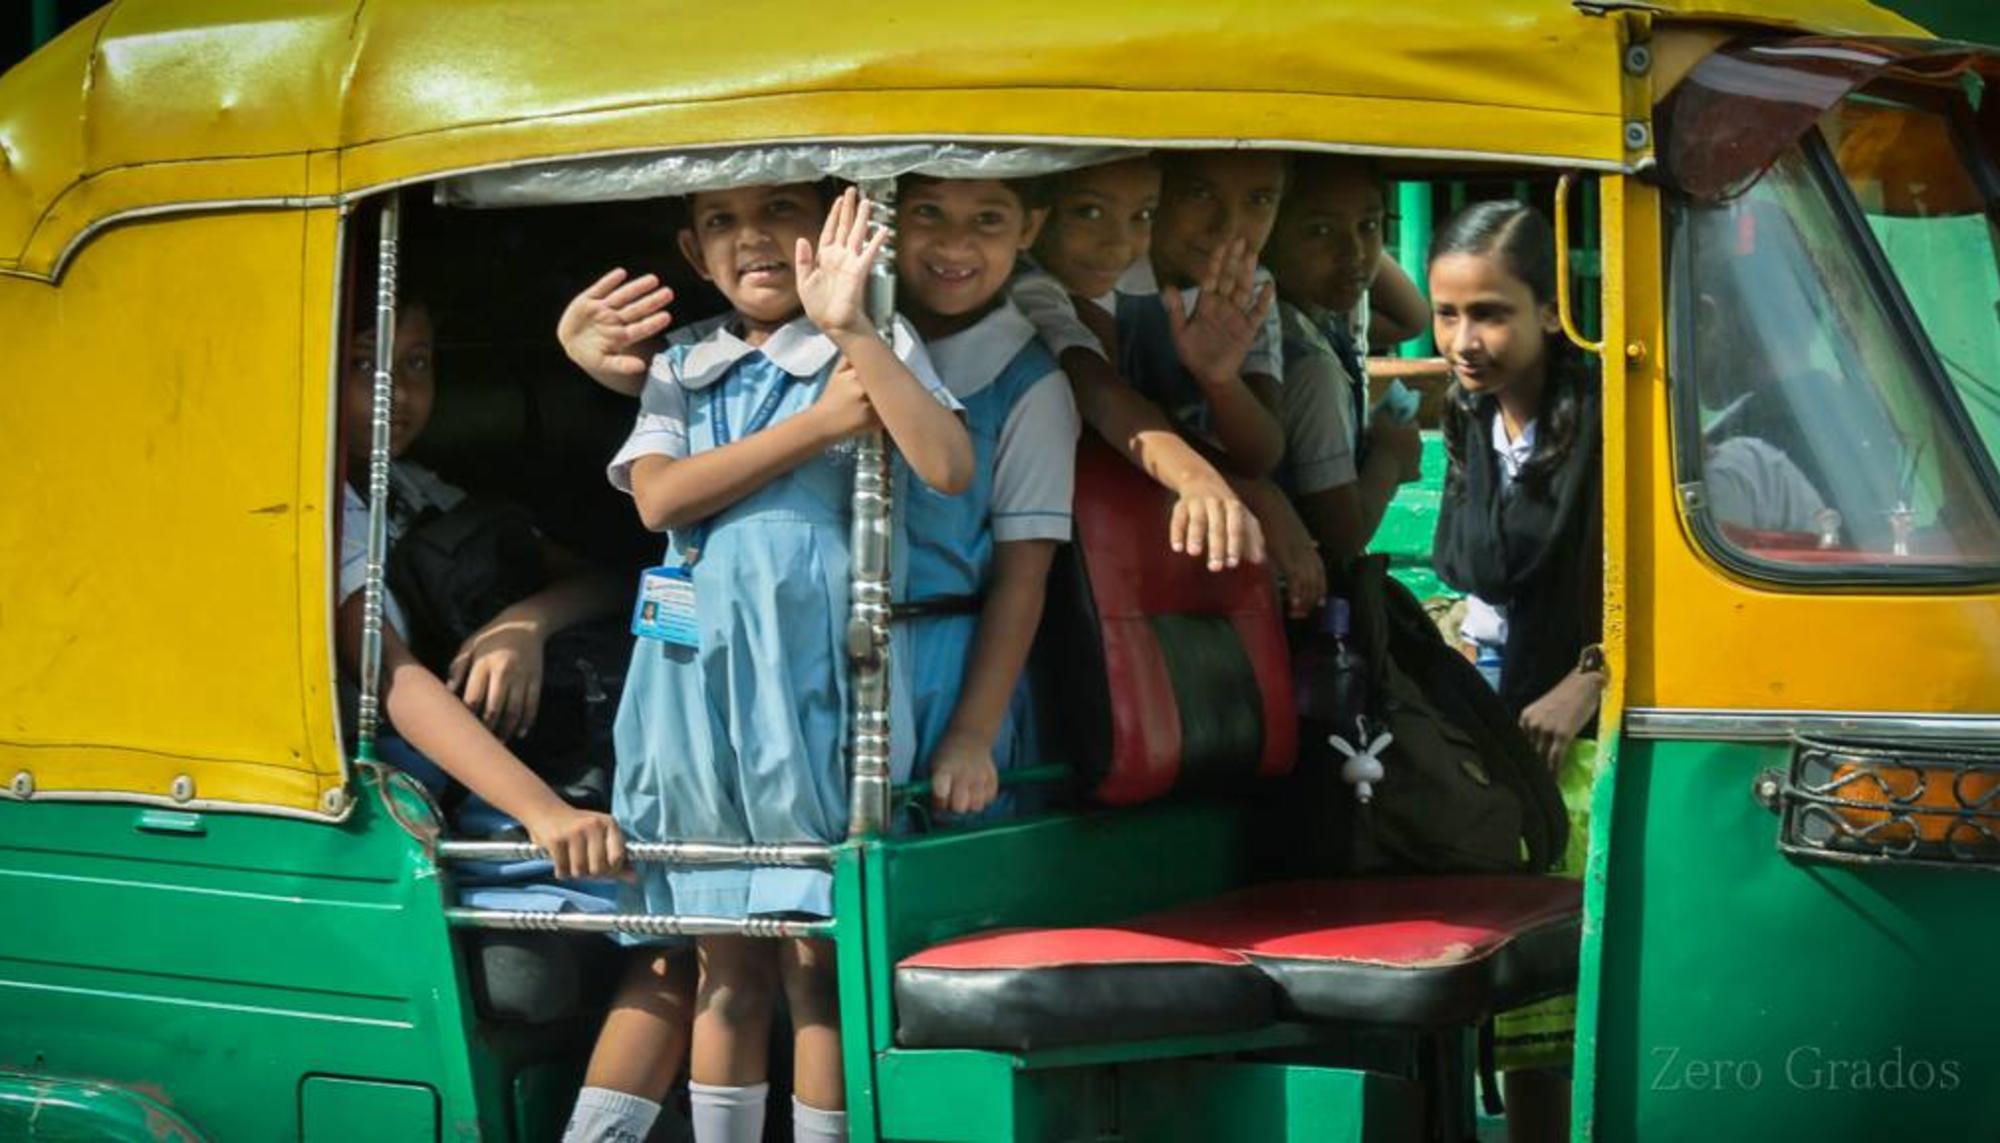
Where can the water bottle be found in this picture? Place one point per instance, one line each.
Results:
(1329, 677)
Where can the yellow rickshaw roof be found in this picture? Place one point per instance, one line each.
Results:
(153, 105)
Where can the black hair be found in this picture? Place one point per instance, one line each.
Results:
(1519, 237)
(1310, 168)
(1172, 160)
(1034, 192)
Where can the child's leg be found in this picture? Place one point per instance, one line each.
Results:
(818, 1080)
(639, 1051)
(732, 1032)
(645, 1036)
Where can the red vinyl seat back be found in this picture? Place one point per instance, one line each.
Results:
(1165, 676)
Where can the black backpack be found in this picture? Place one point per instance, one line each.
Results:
(452, 571)
(1462, 791)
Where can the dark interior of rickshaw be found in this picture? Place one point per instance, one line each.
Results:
(1161, 927)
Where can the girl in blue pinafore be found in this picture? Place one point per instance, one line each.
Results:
(731, 730)
(972, 569)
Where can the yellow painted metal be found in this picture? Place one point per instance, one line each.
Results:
(165, 451)
(164, 554)
(151, 104)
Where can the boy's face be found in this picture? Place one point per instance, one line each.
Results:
(743, 240)
(956, 241)
(1328, 241)
(416, 388)
(1208, 199)
(1101, 224)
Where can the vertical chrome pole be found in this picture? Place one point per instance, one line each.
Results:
(868, 616)
(373, 592)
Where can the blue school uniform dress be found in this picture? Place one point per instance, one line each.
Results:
(741, 738)
(1023, 422)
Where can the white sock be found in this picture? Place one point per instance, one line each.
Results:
(811, 1125)
(606, 1116)
(728, 1114)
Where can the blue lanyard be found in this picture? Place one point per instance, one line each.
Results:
(760, 417)
(718, 415)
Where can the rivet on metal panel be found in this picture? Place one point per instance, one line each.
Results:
(1638, 136)
(1769, 785)
(183, 788)
(24, 785)
(1693, 497)
(1638, 59)
(334, 802)
(1635, 352)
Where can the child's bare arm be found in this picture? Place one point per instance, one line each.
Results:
(833, 282)
(1397, 309)
(498, 671)
(1294, 553)
(1394, 453)
(1335, 520)
(674, 493)
(930, 436)
(1213, 343)
(1208, 517)
(581, 843)
(607, 329)
(963, 777)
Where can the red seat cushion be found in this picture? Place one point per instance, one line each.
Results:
(1408, 951)
(1021, 989)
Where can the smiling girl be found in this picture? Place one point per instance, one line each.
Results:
(1521, 531)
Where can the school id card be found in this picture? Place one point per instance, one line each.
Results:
(665, 607)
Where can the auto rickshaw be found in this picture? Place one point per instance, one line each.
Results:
(224, 920)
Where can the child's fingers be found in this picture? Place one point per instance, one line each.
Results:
(603, 286)
(648, 327)
(858, 237)
(1253, 537)
(614, 846)
(1266, 294)
(631, 291)
(1176, 310)
(531, 706)
(455, 676)
(644, 304)
(1177, 527)
(597, 852)
(941, 787)
(827, 229)
(873, 250)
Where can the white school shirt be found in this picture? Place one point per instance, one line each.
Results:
(1034, 463)
(413, 490)
(1485, 624)
(797, 347)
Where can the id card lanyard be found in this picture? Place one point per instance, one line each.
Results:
(665, 608)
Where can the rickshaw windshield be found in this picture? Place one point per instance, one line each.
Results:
(1809, 416)
(1907, 168)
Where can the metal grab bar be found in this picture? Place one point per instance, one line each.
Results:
(641, 924)
(685, 853)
